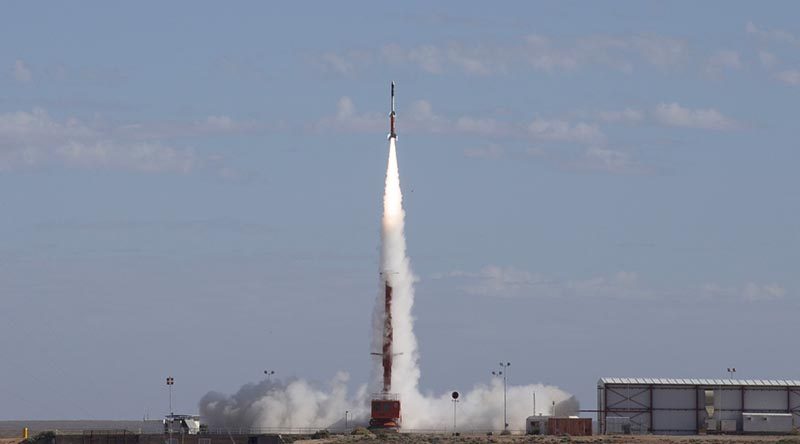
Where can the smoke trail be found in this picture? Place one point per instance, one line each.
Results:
(480, 408)
(297, 404)
(396, 271)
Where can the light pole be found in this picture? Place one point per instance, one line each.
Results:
(534, 403)
(731, 371)
(269, 373)
(346, 412)
(454, 395)
(503, 371)
(170, 383)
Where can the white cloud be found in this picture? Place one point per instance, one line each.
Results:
(539, 53)
(139, 156)
(722, 60)
(535, 52)
(347, 118)
(672, 114)
(491, 151)
(772, 35)
(627, 115)
(338, 63)
(767, 292)
(422, 116)
(789, 77)
(174, 129)
(481, 126)
(608, 161)
(473, 61)
(29, 139)
(22, 73)
(749, 292)
(660, 51)
(429, 58)
(620, 285)
(224, 123)
(509, 281)
(419, 117)
(498, 281)
(561, 130)
(767, 59)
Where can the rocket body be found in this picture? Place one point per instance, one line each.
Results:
(387, 353)
(392, 114)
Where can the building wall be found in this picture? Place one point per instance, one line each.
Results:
(680, 409)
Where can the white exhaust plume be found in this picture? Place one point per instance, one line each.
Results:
(481, 408)
(278, 405)
(298, 405)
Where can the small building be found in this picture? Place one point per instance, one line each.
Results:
(550, 425)
(536, 425)
(187, 424)
(691, 406)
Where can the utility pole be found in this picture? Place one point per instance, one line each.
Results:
(503, 371)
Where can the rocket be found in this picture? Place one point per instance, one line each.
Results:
(392, 131)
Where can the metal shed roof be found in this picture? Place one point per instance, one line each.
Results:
(702, 381)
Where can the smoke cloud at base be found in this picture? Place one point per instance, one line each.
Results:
(297, 404)
(277, 404)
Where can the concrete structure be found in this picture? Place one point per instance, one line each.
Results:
(536, 425)
(690, 406)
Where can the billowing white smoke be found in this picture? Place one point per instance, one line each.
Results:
(297, 404)
(291, 405)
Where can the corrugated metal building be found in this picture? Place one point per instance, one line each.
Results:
(690, 406)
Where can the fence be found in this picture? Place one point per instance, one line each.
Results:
(243, 431)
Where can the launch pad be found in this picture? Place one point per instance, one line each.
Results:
(385, 412)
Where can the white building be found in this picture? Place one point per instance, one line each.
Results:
(690, 406)
(189, 424)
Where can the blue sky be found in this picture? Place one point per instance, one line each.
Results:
(193, 189)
